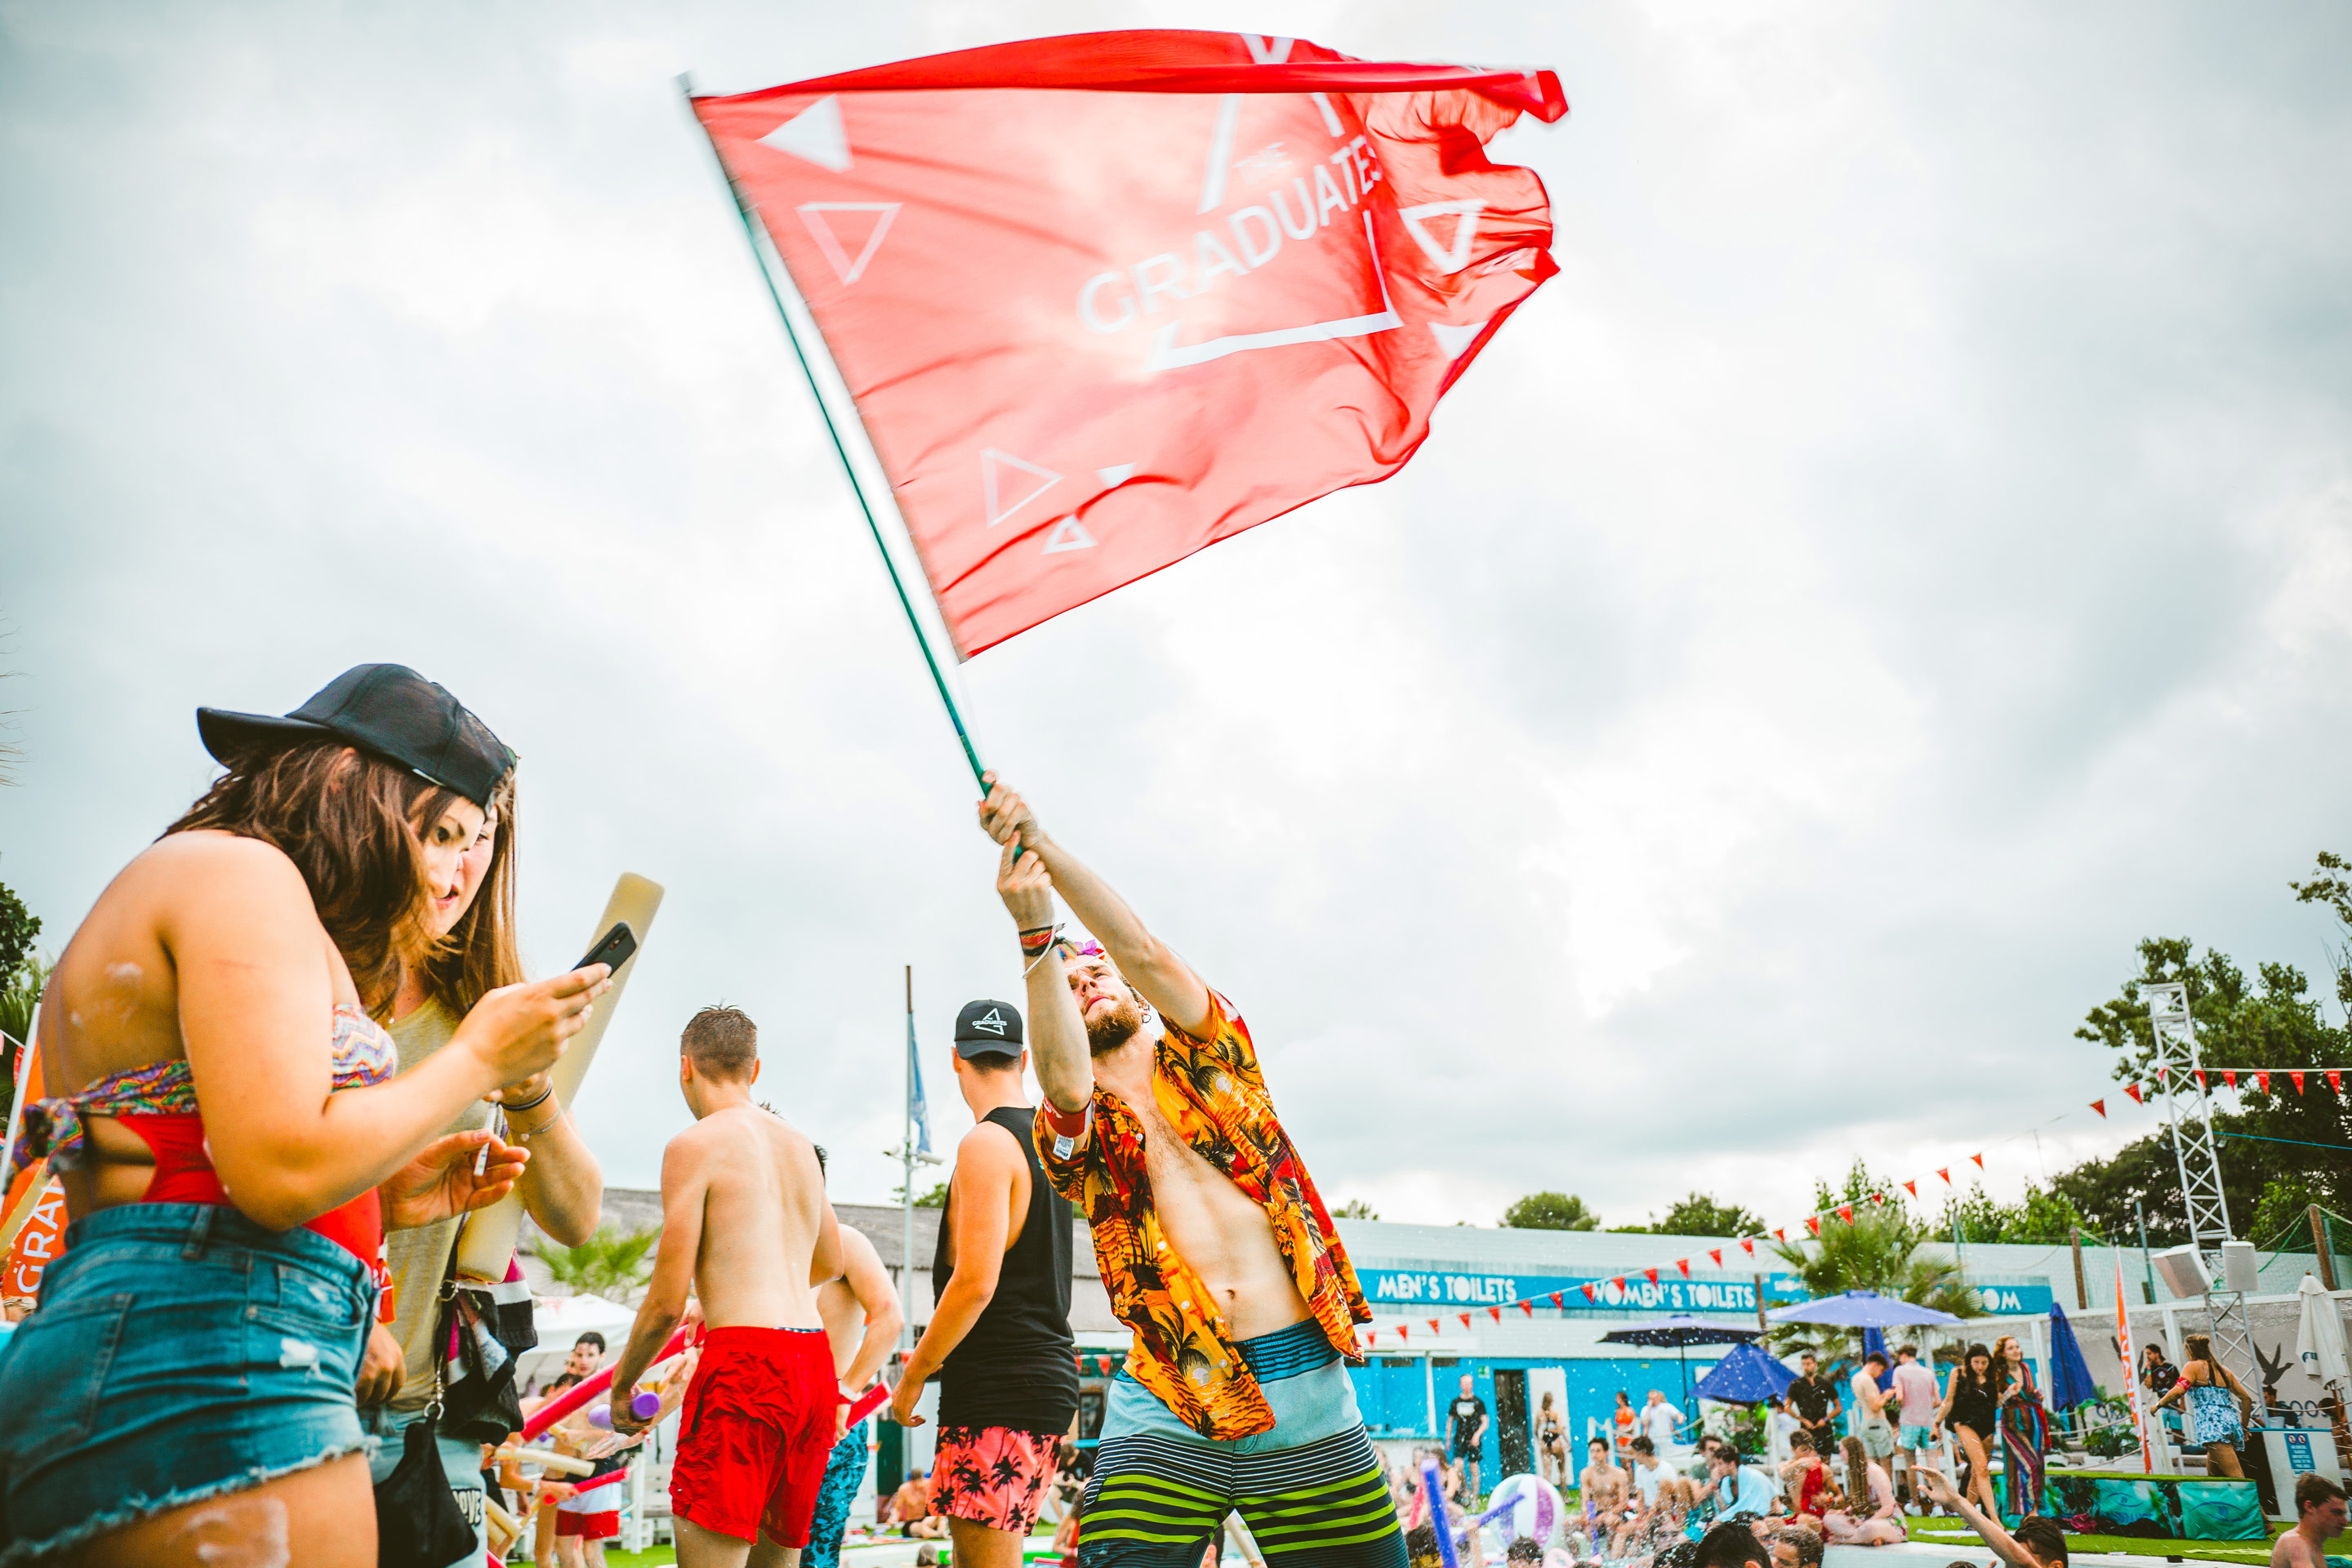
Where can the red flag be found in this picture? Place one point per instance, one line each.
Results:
(2133, 1089)
(2262, 1080)
(1945, 1172)
(2336, 1080)
(1653, 1275)
(2160, 1070)
(1562, 1305)
(1496, 1314)
(1434, 1328)
(1979, 1160)
(1716, 1253)
(1780, 1235)
(1845, 1213)
(1591, 1293)
(2295, 1074)
(2230, 1076)
(1813, 1224)
(1683, 1264)
(1092, 331)
(2200, 1076)
(1748, 1244)
(2101, 1106)
(1465, 1317)
(1528, 1307)
(1913, 1187)
(1404, 1333)
(1621, 1282)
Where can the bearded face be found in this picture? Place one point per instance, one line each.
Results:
(1109, 1028)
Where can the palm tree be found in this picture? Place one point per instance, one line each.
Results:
(612, 1263)
(1880, 1251)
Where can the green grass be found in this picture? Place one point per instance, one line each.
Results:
(1946, 1531)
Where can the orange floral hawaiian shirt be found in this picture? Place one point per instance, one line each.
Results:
(1211, 1091)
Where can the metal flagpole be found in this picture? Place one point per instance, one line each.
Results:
(745, 211)
(906, 1184)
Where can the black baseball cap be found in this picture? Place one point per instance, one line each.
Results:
(988, 1029)
(386, 708)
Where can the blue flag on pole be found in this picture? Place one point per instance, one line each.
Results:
(918, 1109)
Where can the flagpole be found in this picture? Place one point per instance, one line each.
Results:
(906, 1181)
(744, 211)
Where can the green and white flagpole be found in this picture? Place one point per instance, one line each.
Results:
(749, 214)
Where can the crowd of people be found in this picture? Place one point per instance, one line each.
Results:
(290, 1048)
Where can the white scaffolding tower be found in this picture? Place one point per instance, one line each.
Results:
(2180, 1076)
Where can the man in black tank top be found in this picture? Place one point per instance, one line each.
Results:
(1000, 1333)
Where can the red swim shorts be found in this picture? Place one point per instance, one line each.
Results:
(992, 1475)
(754, 1434)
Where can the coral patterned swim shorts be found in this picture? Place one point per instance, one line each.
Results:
(992, 1475)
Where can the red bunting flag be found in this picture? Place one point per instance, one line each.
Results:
(1813, 1224)
(1780, 1235)
(1496, 1314)
(1878, 1198)
(1091, 332)
(2101, 1106)
(1913, 1187)
(1591, 1293)
(2133, 1089)
(2262, 1080)
(1653, 1275)
(1434, 1327)
(1465, 1317)
(2295, 1074)
(1621, 1282)
(1945, 1172)
(2335, 1081)
(2200, 1076)
(1845, 1213)
(2160, 1070)
(1979, 1160)
(1528, 1307)
(2230, 1076)
(1404, 1333)
(1683, 1264)
(1716, 1253)
(1747, 1245)
(1562, 1305)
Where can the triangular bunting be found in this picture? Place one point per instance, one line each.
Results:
(2262, 1080)
(1845, 1213)
(2230, 1076)
(1496, 1314)
(1653, 1275)
(2335, 1081)
(1591, 1293)
(2101, 1106)
(1716, 1253)
(1945, 1172)
(2133, 1089)
(1683, 1264)
(1979, 1160)
(1913, 1187)
(2296, 1074)
(1465, 1317)
(1562, 1305)
(1813, 1224)
(1528, 1307)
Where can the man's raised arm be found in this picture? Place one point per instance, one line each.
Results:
(1150, 965)
(1057, 1035)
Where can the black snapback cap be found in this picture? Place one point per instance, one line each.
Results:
(386, 708)
(988, 1028)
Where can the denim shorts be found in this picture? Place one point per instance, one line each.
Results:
(180, 1352)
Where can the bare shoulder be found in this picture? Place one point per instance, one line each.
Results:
(989, 1143)
(213, 855)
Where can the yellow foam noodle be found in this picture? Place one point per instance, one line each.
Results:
(486, 1245)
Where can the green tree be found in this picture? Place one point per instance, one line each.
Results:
(1550, 1211)
(1883, 1248)
(18, 927)
(1356, 1208)
(936, 1198)
(2268, 1021)
(21, 975)
(1698, 1214)
(2042, 1214)
(612, 1263)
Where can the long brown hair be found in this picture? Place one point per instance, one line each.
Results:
(1857, 1478)
(479, 955)
(2001, 1376)
(349, 821)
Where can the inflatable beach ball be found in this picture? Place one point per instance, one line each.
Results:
(1527, 1505)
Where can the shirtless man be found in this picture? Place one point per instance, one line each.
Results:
(1217, 1250)
(2319, 1502)
(746, 1225)
(862, 1318)
(1603, 1491)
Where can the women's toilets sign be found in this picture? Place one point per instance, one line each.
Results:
(1444, 1287)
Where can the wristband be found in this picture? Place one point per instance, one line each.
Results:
(1068, 1127)
(544, 1095)
(1035, 940)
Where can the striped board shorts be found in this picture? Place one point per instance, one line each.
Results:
(1309, 1489)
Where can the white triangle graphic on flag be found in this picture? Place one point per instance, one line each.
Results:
(990, 460)
(821, 230)
(1116, 476)
(815, 134)
(1452, 340)
(1448, 258)
(1068, 534)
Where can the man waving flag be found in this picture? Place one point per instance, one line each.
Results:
(1103, 300)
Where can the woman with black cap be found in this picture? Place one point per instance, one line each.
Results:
(233, 1144)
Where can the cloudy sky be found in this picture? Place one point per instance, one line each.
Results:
(1903, 559)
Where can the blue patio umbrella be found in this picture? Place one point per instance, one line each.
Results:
(1859, 1309)
(2070, 1374)
(1745, 1375)
(1874, 1340)
(1681, 1331)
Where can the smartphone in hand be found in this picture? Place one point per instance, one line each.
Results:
(613, 948)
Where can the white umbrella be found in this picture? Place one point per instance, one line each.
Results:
(2320, 1342)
